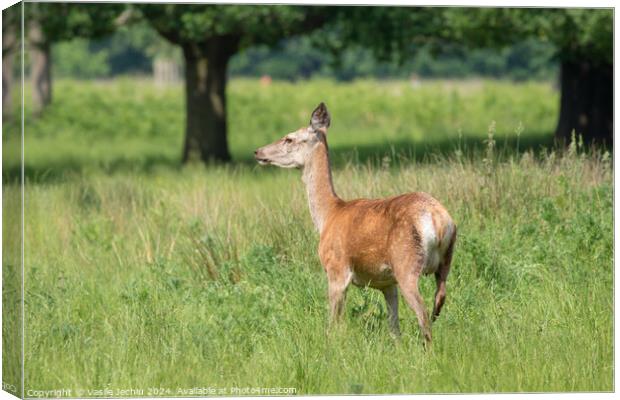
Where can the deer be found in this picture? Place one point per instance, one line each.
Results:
(385, 244)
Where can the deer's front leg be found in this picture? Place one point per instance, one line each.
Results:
(338, 280)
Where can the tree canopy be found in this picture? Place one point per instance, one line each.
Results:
(48, 23)
(398, 31)
(192, 23)
(576, 33)
(64, 21)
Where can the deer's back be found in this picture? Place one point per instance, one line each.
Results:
(368, 235)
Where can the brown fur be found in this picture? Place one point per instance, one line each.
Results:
(380, 243)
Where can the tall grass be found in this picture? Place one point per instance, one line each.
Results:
(209, 277)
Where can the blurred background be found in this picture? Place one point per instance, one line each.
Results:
(120, 84)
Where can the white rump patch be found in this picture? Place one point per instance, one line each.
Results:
(430, 244)
(447, 237)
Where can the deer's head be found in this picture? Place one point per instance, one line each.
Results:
(295, 148)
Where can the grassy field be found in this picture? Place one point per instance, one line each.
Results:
(143, 274)
(132, 125)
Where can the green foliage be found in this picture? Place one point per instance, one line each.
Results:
(138, 36)
(581, 33)
(75, 59)
(291, 59)
(574, 32)
(390, 31)
(64, 21)
(133, 48)
(159, 276)
(299, 58)
(183, 23)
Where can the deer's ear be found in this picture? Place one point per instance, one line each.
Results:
(320, 118)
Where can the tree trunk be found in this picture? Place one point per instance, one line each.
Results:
(41, 74)
(205, 86)
(7, 76)
(586, 104)
(40, 67)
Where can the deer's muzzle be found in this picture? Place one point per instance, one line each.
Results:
(260, 157)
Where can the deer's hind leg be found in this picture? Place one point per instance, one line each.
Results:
(440, 277)
(407, 270)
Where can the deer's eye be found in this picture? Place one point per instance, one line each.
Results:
(288, 140)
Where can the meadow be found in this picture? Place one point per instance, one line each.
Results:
(141, 273)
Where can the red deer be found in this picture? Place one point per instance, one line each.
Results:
(385, 244)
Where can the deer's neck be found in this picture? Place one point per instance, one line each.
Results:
(317, 176)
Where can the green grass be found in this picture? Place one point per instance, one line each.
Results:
(133, 125)
(156, 276)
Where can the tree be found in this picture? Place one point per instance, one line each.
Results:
(585, 48)
(11, 42)
(583, 40)
(209, 35)
(48, 23)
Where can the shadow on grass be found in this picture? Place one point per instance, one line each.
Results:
(66, 169)
(397, 151)
(432, 150)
